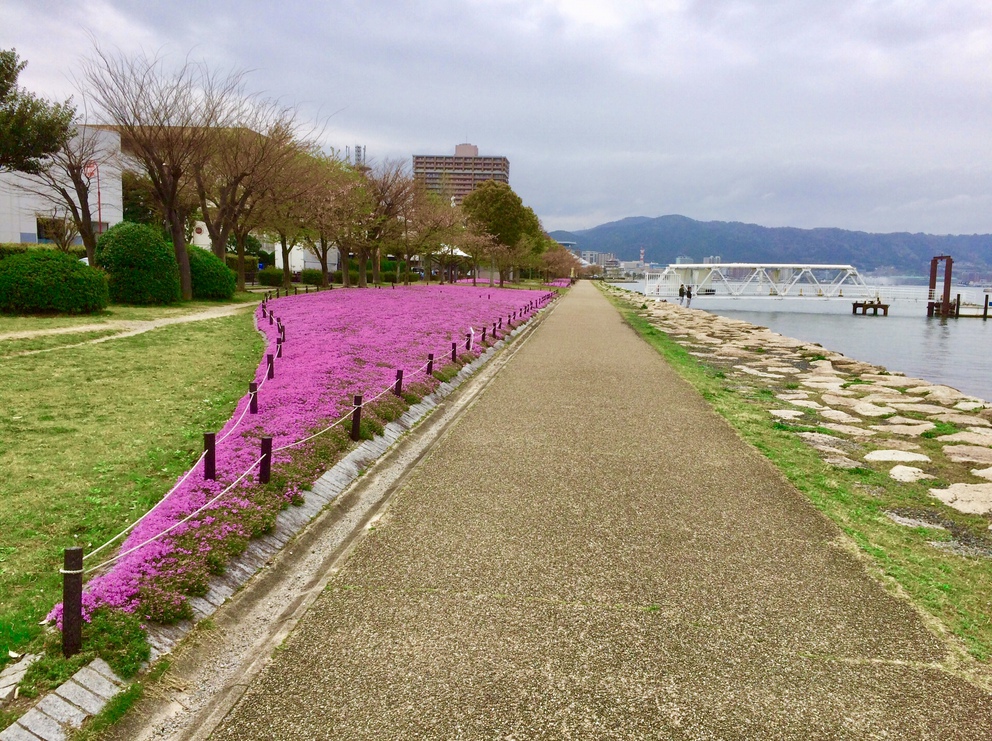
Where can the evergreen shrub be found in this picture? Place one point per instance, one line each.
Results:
(270, 277)
(140, 264)
(337, 276)
(211, 277)
(311, 277)
(50, 281)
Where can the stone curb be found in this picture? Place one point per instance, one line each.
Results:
(56, 716)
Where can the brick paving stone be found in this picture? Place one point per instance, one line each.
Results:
(43, 726)
(17, 733)
(64, 712)
(96, 683)
(81, 697)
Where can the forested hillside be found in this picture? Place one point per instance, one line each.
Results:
(667, 237)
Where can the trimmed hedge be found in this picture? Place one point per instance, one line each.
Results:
(211, 277)
(140, 264)
(47, 280)
(7, 249)
(251, 266)
(311, 277)
(270, 277)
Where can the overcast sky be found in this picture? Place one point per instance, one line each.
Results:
(863, 114)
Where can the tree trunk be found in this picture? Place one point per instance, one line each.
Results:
(178, 228)
(345, 268)
(240, 246)
(287, 281)
(363, 268)
(376, 257)
(322, 257)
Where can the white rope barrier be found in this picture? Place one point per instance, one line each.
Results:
(130, 527)
(172, 527)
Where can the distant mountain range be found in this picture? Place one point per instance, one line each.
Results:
(667, 237)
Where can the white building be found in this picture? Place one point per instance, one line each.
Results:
(20, 210)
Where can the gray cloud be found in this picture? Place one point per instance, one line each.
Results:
(869, 116)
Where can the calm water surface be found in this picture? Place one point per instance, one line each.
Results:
(955, 352)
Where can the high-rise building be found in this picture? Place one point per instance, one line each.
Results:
(456, 176)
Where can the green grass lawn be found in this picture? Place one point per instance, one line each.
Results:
(92, 436)
(114, 313)
(951, 589)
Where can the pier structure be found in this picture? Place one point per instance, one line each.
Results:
(760, 280)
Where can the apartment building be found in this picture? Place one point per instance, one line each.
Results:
(456, 176)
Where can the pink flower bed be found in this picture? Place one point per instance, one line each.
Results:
(338, 344)
(560, 283)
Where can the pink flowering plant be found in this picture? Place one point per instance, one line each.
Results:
(338, 344)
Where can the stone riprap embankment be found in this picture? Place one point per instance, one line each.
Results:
(855, 414)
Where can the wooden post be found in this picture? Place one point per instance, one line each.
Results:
(270, 319)
(253, 398)
(398, 387)
(430, 364)
(454, 352)
(210, 459)
(468, 341)
(483, 335)
(985, 312)
(271, 370)
(278, 347)
(957, 306)
(265, 466)
(72, 601)
(356, 419)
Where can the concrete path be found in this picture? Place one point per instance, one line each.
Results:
(592, 552)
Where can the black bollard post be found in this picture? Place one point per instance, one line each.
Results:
(398, 387)
(278, 347)
(270, 319)
(265, 465)
(468, 341)
(72, 601)
(356, 419)
(454, 352)
(271, 370)
(282, 332)
(430, 363)
(210, 459)
(483, 335)
(253, 398)
(499, 324)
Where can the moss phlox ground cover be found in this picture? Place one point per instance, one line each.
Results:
(338, 344)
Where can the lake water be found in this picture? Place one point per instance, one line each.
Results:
(955, 352)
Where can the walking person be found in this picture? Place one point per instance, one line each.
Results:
(681, 293)
(688, 296)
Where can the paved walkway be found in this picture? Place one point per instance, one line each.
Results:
(592, 552)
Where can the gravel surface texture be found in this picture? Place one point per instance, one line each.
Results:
(591, 552)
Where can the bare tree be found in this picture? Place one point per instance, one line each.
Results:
(428, 221)
(390, 188)
(332, 211)
(59, 226)
(289, 205)
(166, 120)
(65, 179)
(241, 160)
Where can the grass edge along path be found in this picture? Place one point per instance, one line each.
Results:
(902, 561)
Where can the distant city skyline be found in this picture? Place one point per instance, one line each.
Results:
(862, 116)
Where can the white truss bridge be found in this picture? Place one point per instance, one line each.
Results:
(760, 280)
